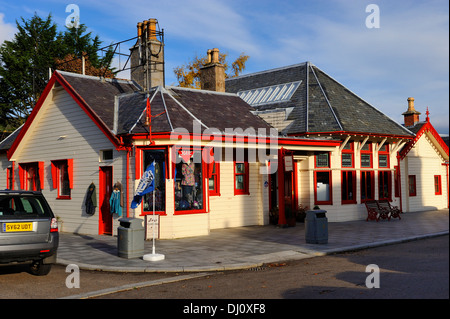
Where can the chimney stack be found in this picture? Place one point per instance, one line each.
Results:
(411, 116)
(212, 75)
(147, 55)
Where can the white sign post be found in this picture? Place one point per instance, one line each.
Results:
(153, 256)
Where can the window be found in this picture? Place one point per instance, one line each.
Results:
(366, 155)
(367, 186)
(241, 178)
(322, 191)
(106, 155)
(188, 181)
(31, 176)
(383, 156)
(10, 178)
(412, 185)
(384, 185)
(62, 177)
(214, 180)
(323, 160)
(159, 157)
(347, 155)
(437, 185)
(396, 182)
(348, 187)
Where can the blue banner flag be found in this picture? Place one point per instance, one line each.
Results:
(145, 186)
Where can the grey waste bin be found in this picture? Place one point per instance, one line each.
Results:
(131, 238)
(316, 227)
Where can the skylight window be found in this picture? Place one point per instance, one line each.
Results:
(269, 94)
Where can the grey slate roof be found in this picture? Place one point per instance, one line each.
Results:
(320, 103)
(176, 107)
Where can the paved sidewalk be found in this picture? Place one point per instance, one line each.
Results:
(248, 247)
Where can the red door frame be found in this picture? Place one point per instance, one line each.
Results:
(105, 191)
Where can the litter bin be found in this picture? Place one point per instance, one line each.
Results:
(316, 227)
(131, 238)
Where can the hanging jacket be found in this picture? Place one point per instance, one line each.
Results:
(114, 203)
(91, 200)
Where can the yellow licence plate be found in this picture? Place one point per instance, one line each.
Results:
(17, 227)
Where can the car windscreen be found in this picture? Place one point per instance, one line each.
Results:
(23, 206)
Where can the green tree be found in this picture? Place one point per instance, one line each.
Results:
(26, 59)
(188, 75)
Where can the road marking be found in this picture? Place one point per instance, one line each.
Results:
(137, 285)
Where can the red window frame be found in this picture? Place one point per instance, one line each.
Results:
(412, 185)
(367, 152)
(367, 187)
(437, 185)
(384, 151)
(347, 188)
(10, 177)
(321, 166)
(56, 177)
(36, 169)
(330, 188)
(382, 176)
(348, 151)
(396, 182)
(215, 177)
(245, 178)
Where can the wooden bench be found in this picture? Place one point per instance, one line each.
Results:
(393, 210)
(375, 211)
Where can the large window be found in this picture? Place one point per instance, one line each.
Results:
(348, 187)
(322, 191)
(158, 157)
(188, 181)
(384, 185)
(367, 186)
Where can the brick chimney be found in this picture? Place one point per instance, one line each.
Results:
(147, 56)
(411, 116)
(212, 75)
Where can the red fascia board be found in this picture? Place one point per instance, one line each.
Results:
(78, 99)
(247, 139)
(426, 127)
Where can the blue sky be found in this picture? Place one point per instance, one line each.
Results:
(408, 55)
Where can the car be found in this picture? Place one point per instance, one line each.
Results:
(28, 231)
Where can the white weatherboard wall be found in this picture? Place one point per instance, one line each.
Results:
(53, 137)
(229, 210)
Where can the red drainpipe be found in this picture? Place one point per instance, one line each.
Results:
(399, 181)
(281, 213)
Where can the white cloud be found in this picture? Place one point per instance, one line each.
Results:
(7, 30)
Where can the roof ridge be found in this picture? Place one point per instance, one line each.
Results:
(269, 71)
(98, 78)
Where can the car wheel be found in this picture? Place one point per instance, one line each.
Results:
(38, 268)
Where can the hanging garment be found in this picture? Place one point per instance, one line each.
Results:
(91, 200)
(114, 203)
(118, 186)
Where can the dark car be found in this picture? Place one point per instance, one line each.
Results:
(28, 231)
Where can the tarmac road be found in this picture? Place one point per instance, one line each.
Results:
(416, 269)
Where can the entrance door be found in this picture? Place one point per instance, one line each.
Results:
(105, 191)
